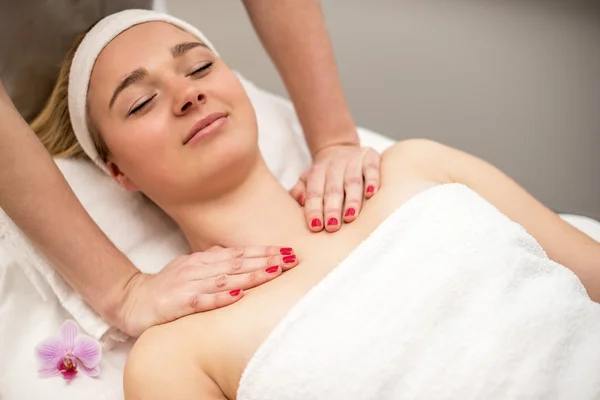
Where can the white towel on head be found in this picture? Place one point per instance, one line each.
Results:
(447, 299)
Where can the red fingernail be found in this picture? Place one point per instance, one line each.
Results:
(235, 292)
(332, 221)
(286, 251)
(273, 269)
(316, 222)
(350, 212)
(289, 259)
(370, 189)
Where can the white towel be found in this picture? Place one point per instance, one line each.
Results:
(447, 299)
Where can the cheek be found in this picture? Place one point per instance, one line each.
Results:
(230, 86)
(240, 100)
(137, 146)
(131, 143)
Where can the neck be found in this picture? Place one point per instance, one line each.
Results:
(259, 212)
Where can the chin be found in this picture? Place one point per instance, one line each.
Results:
(224, 165)
(233, 146)
(236, 157)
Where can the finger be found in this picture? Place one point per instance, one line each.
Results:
(230, 253)
(200, 302)
(353, 186)
(289, 262)
(298, 192)
(224, 282)
(371, 172)
(313, 203)
(237, 266)
(334, 197)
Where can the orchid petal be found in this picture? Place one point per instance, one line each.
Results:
(92, 372)
(88, 351)
(63, 355)
(69, 333)
(49, 352)
(48, 372)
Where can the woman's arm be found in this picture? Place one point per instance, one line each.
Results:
(296, 38)
(160, 366)
(561, 241)
(34, 194)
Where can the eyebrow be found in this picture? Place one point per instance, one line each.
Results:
(139, 74)
(134, 77)
(180, 49)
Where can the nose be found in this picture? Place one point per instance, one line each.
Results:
(188, 97)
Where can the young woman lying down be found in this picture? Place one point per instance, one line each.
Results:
(454, 283)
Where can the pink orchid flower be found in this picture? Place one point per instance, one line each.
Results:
(66, 354)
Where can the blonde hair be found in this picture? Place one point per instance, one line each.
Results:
(53, 124)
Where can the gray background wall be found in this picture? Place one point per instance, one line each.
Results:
(514, 82)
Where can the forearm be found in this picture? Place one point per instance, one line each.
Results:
(295, 37)
(34, 194)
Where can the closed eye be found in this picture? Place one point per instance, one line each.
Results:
(140, 106)
(143, 105)
(202, 69)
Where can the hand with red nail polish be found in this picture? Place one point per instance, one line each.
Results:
(333, 190)
(201, 282)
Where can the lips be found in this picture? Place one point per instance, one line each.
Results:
(203, 126)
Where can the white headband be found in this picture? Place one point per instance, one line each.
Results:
(85, 58)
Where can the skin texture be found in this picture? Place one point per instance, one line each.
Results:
(221, 193)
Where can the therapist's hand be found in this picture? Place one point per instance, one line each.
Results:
(199, 282)
(334, 188)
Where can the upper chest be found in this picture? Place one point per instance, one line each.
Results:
(239, 330)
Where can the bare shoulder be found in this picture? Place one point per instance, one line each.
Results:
(162, 365)
(408, 168)
(415, 159)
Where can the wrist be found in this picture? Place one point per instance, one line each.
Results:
(116, 304)
(350, 139)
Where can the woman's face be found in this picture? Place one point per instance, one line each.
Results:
(175, 118)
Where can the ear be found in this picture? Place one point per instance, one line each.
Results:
(120, 177)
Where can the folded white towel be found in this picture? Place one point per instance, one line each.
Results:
(447, 299)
